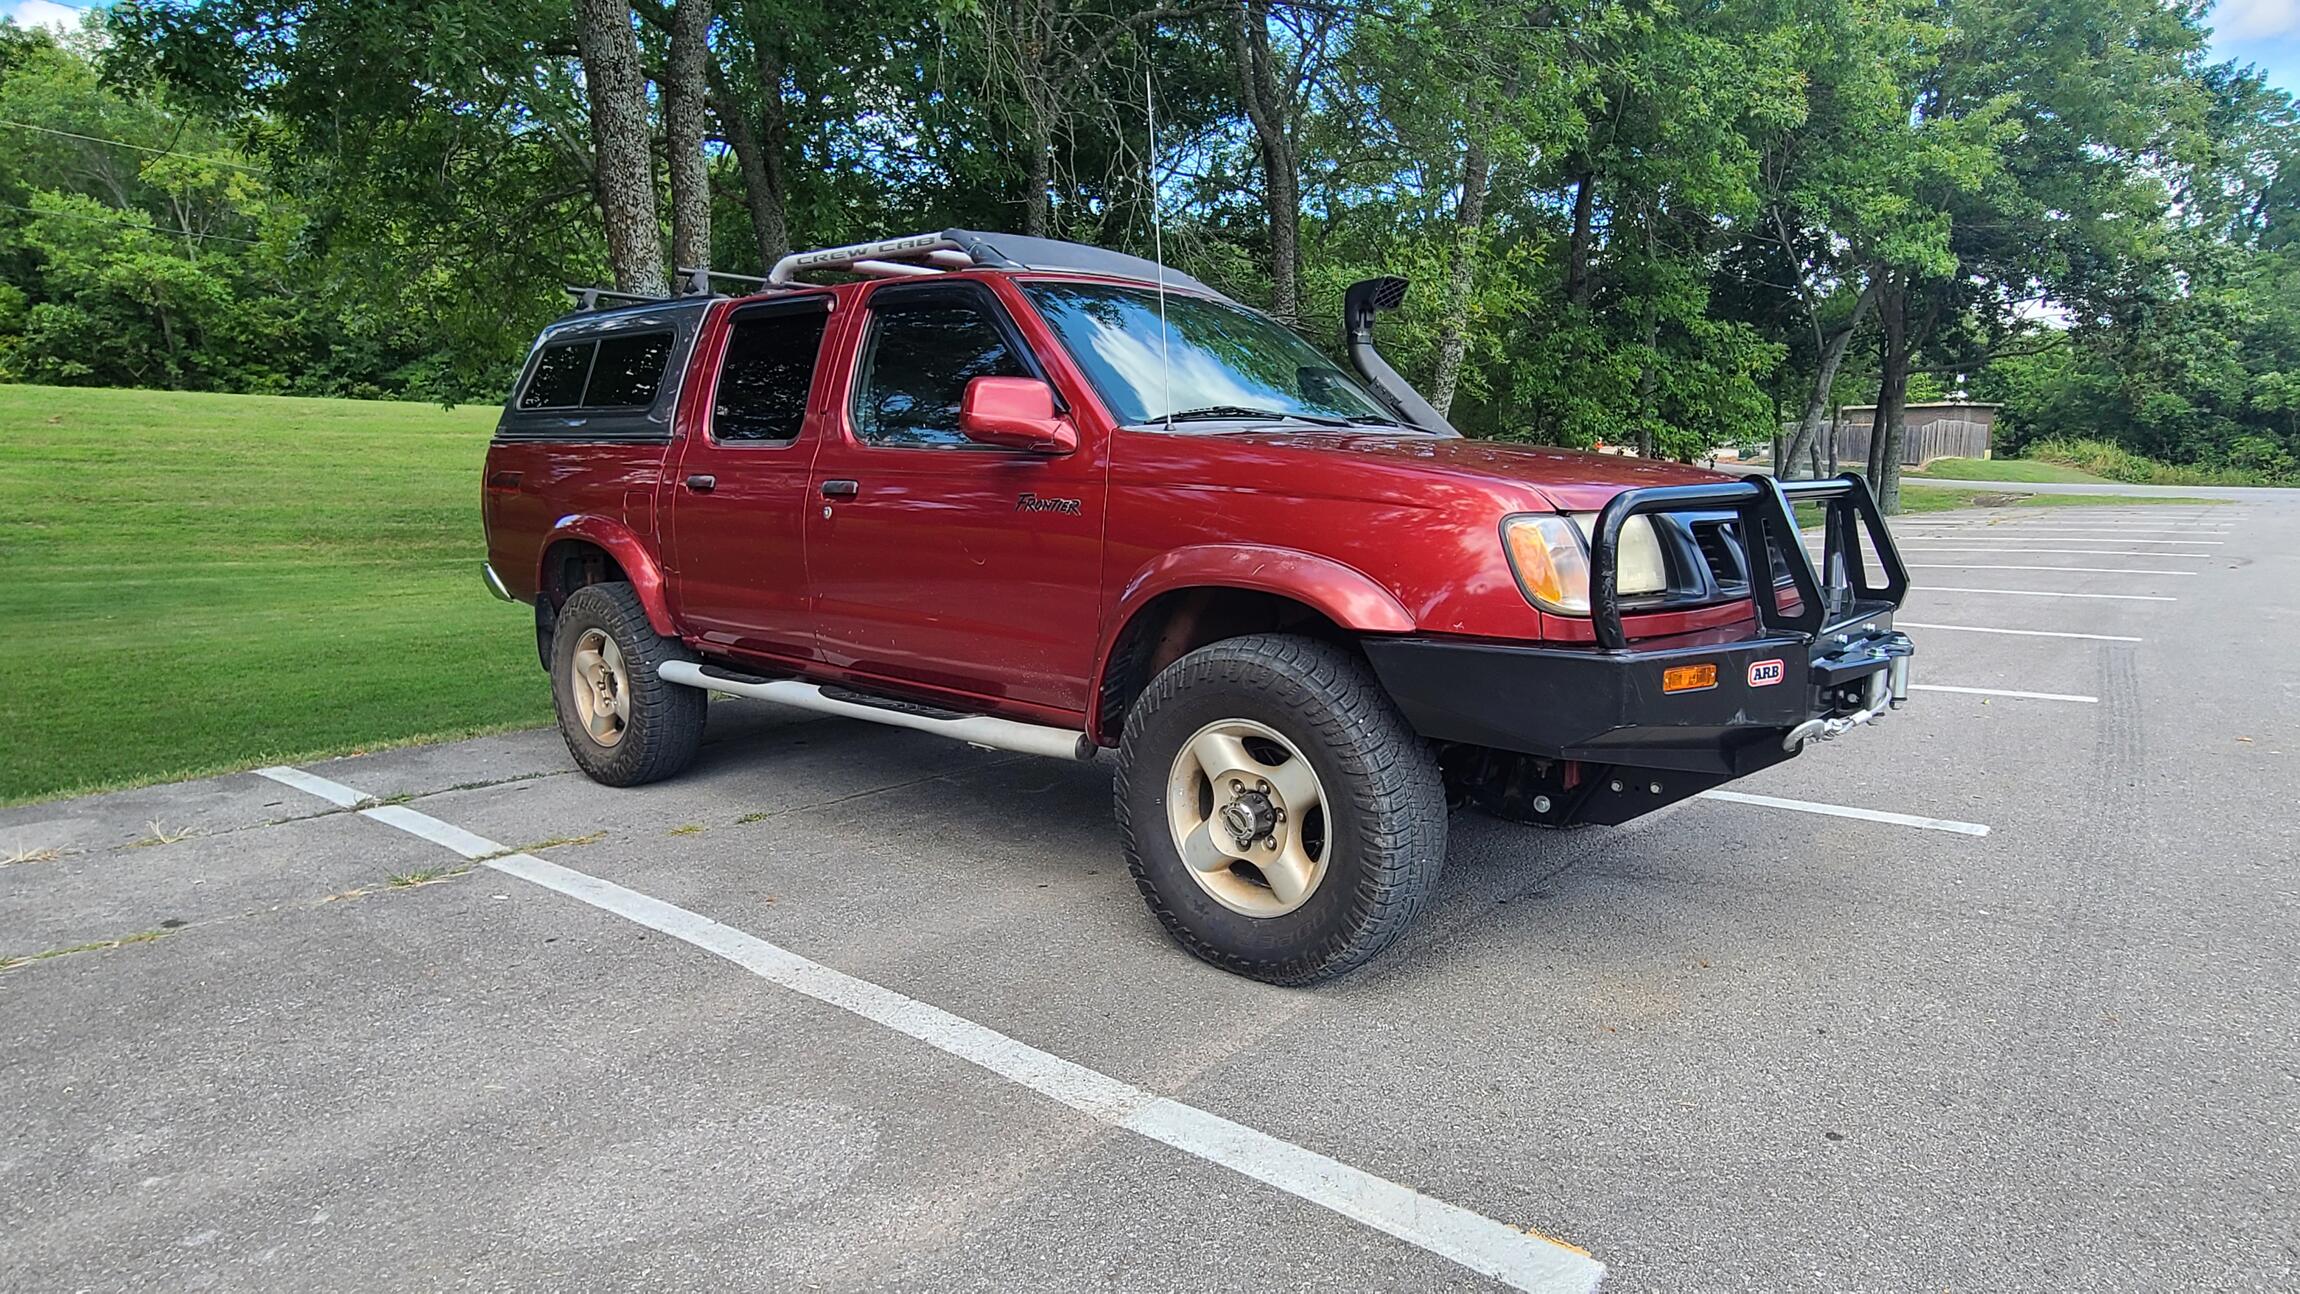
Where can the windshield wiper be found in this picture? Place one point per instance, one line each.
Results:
(1214, 412)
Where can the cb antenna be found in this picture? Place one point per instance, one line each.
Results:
(1158, 247)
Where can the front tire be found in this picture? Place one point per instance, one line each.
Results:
(1280, 816)
(623, 724)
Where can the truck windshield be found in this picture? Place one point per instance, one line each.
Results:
(1219, 362)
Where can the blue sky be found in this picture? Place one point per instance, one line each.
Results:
(2266, 32)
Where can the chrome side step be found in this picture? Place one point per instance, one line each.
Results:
(974, 729)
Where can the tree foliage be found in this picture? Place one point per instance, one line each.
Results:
(1632, 221)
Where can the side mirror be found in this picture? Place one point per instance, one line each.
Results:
(1014, 413)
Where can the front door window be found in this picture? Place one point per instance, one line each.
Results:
(923, 349)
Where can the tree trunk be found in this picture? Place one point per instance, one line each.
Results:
(1645, 379)
(1266, 108)
(623, 169)
(1577, 251)
(1469, 224)
(1825, 376)
(762, 187)
(1036, 212)
(1892, 397)
(760, 149)
(686, 89)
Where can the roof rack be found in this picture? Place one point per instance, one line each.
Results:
(963, 249)
(693, 282)
(883, 258)
(950, 250)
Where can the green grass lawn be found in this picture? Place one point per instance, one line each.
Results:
(206, 582)
(2001, 469)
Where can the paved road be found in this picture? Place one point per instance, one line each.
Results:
(1729, 1047)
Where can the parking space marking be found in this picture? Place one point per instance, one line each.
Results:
(1519, 1259)
(2048, 593)
(1998, 691)
(1977, 536)
(335, 793)
(2082, 552)
(2023, 633)
(1848, 811)
(1967, 536)
(2089, 570)
(1929, 528)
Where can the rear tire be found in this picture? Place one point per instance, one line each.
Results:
(1280, 816)
(623, 724)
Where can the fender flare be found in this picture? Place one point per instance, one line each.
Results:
(1343, 594)
(629, 551)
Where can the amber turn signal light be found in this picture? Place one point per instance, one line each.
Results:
(1688, 678)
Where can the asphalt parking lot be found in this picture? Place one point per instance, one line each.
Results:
(851, 1008)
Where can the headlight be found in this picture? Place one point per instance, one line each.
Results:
(1550, 555)
(1637, 566)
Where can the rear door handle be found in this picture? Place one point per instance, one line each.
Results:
(841, 489)
(702, 483)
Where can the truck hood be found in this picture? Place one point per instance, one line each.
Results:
(1571, 480)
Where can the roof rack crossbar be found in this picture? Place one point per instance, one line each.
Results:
(698, 279)
(588, 298)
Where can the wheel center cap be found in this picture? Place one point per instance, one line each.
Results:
(1249, 817)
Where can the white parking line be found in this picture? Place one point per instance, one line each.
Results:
(2035, 528)
(2023, 633)
(2082, 552)
(2011, 529)
(2089, 570)
(1847, 811)
(2068, 539)
(1995, 691)
(2047, 593)
(1494, 1249)
(2111, 535)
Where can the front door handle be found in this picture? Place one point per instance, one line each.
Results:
(841, 489)
(702, 483)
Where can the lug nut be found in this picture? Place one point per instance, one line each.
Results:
(1615, 786)
(1655, 788)
(1541, 804)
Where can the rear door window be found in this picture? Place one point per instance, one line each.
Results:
(766, 376)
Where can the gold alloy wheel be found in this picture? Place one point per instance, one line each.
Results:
(1249, 818)
(602, 687)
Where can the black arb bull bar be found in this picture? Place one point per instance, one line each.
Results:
(1590, 733)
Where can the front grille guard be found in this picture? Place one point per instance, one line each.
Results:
(1767, 526)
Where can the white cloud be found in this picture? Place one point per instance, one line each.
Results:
(43, 13)
(2255, 19)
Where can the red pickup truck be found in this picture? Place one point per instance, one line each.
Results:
(1050, 498)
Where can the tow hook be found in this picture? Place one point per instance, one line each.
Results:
(1884, 691)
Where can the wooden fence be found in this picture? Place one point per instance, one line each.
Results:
(1920, 444)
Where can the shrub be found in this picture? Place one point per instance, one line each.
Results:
(2103, 458)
